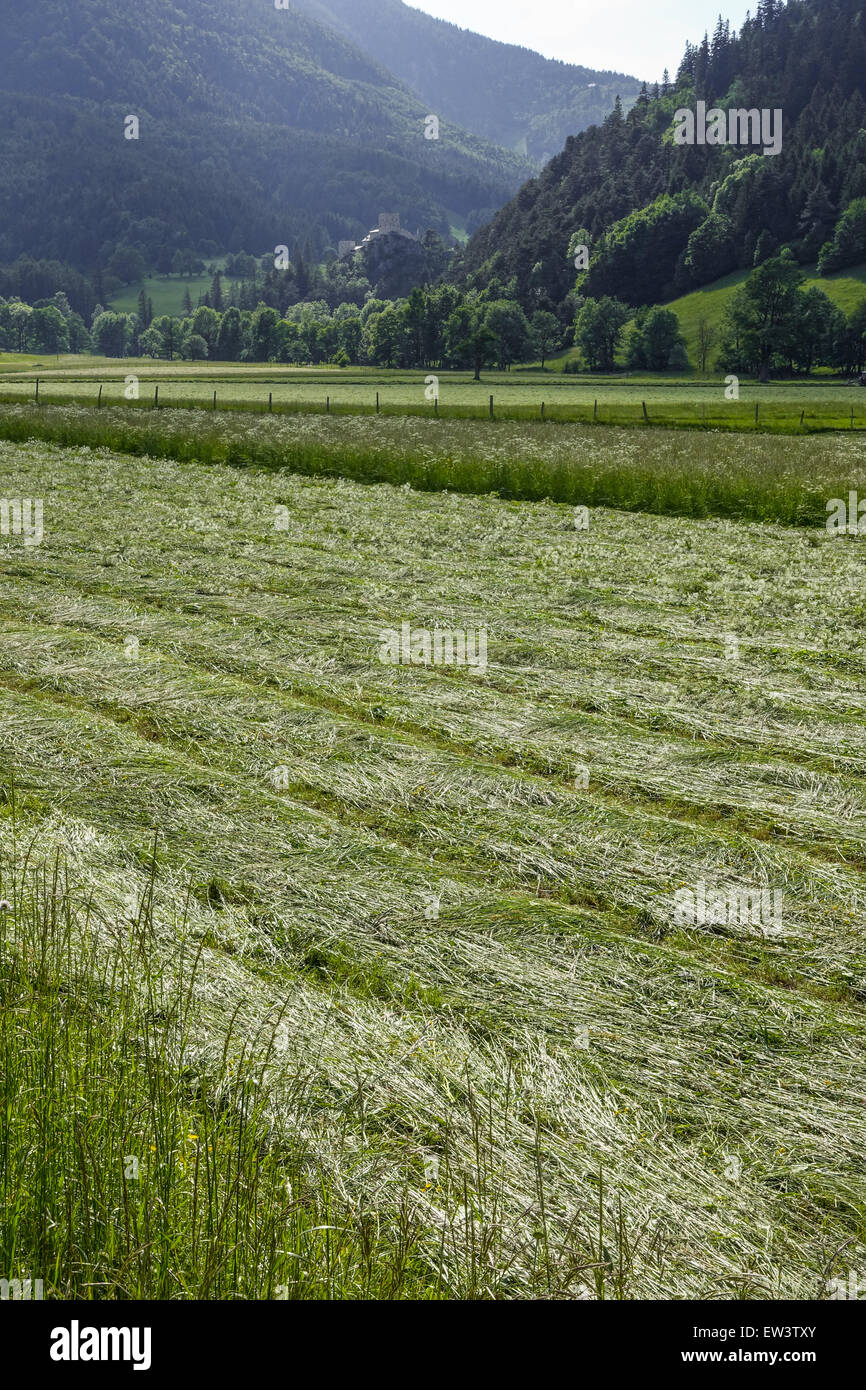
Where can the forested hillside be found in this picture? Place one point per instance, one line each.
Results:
(659, 218)
(258, 126)
(504, 93)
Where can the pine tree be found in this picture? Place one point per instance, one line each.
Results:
(816, 221)
(702, 67)
(302, 277)
(217, 300)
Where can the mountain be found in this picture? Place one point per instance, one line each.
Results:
(660, 218)
(502, 92)
(258, 126)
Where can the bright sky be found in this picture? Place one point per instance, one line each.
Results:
(642, 37)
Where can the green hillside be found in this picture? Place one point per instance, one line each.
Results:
(660, 217)
(463, 75)
(165, 292)
(257, 127)
(846, 288)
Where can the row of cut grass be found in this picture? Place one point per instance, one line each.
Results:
(583, 1069)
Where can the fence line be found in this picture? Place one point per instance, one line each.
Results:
(671, 415)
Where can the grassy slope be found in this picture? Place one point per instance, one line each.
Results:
(551, 1024)
(166, 292)
(846, 289)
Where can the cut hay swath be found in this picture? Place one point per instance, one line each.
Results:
(487, 1055)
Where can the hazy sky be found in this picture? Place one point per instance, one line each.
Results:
(636, 36)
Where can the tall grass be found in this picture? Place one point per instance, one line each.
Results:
(127, 1173)
(745, 477)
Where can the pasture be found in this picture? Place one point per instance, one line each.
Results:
(807, 406)
(377, 968)
(167, 292)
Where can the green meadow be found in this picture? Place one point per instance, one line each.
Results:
(820, 403)
(846, 288)
(165, 292)
(712, 472)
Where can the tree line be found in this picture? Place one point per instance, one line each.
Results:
(439, 326)
(772, 326)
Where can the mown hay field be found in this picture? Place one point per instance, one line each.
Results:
(432, 906)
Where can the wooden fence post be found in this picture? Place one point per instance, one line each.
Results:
(491, 407)
(99, 398)
(645, 416)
